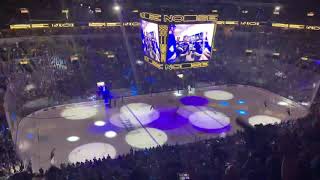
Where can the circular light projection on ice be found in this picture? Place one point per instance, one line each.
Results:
(133, 115)
(110, 134)
(146, 138)
(209, 119)
(90, 151)
(73, 138)
(264, 120)
(218, 95)
(99, 123)
(79, 112)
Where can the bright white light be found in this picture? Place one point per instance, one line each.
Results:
(73, 138)
(218, 95)
(178, 93)
(277, 8)
(140, 138)
(139, 62)
(79, 112)
(90, 151)
(29, 87)
(110, 134)
(116, 7)
(282, 103)
(305, 103)
(264, 120)
(180, 76)
(99, 84)
(99, 123)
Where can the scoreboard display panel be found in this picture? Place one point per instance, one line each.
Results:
(150, 40)
(177, 41)
(189, 43)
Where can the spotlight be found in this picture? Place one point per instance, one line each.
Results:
(277, 8)
(73, 138)
(310, 14)
(100, 84)
(110, 134)
(99, 123)
(139, 62)
(180, 75)
(116, 8)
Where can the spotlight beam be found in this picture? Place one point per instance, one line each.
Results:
(128, 48)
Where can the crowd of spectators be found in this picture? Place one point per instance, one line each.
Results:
(8, 157)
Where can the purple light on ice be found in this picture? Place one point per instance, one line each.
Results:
(168, 119)
(194, 101)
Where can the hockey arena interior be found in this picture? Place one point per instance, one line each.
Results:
(159, 90)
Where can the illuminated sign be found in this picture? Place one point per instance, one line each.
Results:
(132, 24)
(231, 22)
(97, 24)
(281, 25)
(40, 25)
(113, 24)
(20, 26)
(169, 18)
(62, 25)
(34, 26)
(187, 65)
(314, 28)
(189, 18)
(178, 18)
(24, 11)
(249, 23)
(151, 16)
(296, 26)
(163, 29)
(221, 22)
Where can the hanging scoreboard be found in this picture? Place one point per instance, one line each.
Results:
(177, 41)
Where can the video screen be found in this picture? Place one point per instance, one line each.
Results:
(150, 40)
(189, 43)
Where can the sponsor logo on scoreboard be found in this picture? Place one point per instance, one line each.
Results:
(179, 18)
